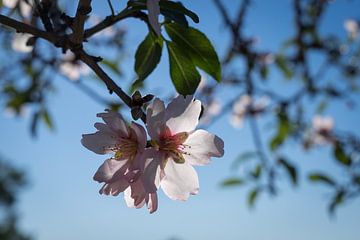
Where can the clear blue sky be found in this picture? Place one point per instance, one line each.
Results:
(62, 200)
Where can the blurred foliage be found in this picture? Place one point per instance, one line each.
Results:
(11, 181)
(292, 114)
(30, 84)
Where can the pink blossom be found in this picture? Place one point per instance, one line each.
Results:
(20, 42)
(72, 68)
(352, 28)
(247, 105)
(124, 170)
(179, 145)
(25, 7)
(322, 129)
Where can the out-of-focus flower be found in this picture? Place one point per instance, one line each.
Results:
(352, 28)
(154, 12)
(72, 68)
(124, 170)
(244, 106)
(20, 42)
(322, 128)
(24, 7)
(179, 145)
(210, 111)
(266, 58)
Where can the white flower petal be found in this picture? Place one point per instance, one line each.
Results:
(115, 121)
(202, 146)
(155, 118)
(99, 142)
(10, 3)
(114, 188)
(180, 181)
(182, 114)
(19, 42)
(140, 134)
(106, 171)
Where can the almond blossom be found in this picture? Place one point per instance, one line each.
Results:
(72, 68)
(247, 105)
(179, 145)
(124, 170)
(24, 7)
(20, 42)
(322, 128)
(352, 28)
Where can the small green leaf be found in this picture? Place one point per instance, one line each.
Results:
(253, 195)
(47, 119)
(183, 73)
(284, 130)
(148, 56)
(113, 65)
(283, 66)
(291, 170)
(318, 177)
(341, 156)
(337, 200)
(198, 47)
(34, 124)
(257, 172)
(231, 182)
(244, 157)
(177, 8)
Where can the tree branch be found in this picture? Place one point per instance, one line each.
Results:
(110, 84)
(84, 8)
(25, 28)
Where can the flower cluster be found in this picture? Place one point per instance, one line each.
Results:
(139, 167)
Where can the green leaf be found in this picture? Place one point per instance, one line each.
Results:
(178, 8)
(336, 200)
(253, 195)
(283, 66)
(284, 129)
(113, 65)
(34, 124)
(291, 170)
(183, 73)
(176, 17)
(318, 177)
(244, 157)
(198, 46)
(341, 156)
(231, 182)
(47, 119)
(148, 56)
(257, 172)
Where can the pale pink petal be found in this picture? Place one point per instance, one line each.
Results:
(19, 42)
(107, 170)
(202, 146)
(99, 142)
(10, 3)
(114, 188)
(182, 114)
(115, 121)
(155, 118)
(25, 8)
(151, 175)
(140, 134)
(130, 201)
(154, 12)
(180, 181)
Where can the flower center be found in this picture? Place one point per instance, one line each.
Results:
(172, 145)
(125, 149)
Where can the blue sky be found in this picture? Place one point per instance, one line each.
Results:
(62, 200)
